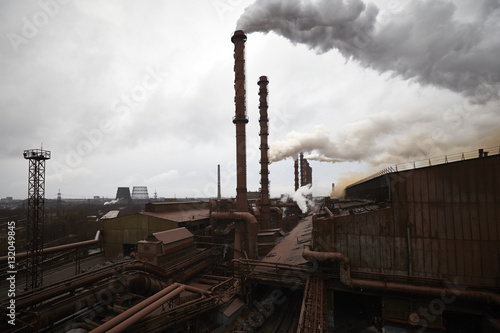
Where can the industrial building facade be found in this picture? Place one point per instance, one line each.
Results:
(418, 237)
(443, 223)
(122, 234)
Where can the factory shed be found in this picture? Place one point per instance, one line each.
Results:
(122, 234)
(161, 248)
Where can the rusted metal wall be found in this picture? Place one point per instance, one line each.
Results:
(450, 214)
(453, 212)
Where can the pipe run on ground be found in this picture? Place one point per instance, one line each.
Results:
(139, 311)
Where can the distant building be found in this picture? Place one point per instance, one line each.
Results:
(140, 193)
(123, 193)
(123, 233)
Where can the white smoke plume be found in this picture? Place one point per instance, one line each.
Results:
(112, 202)
(395, 137)
(423, 41)
(321, 158)
(303, 197)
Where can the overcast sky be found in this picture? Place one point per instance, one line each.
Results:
(127, 93)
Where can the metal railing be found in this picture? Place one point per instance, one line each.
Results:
(443, 159)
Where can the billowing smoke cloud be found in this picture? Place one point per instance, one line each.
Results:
(423, 41)
(396, 137)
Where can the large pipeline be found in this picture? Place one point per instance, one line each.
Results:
(252, 228)
(322, 256)
(46, 293)
(137, 312)
(66, 307)
(468, 295)
(71, 246)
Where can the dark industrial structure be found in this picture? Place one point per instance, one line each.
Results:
(124, 232)
(411, 248)
(303, 172)
(123, 193)
(140, 193)
(36, 216)
(265, 203)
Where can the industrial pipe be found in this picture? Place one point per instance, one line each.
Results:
(322, 256)
(252, 228)
(124, 315)
(279, 216)
(92, 277)
(139, 311)
(468, 295)
(22, 255)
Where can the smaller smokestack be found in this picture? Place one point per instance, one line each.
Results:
(296, 167)
(265, 203)
(308, 173)
(218, 182)
(302, 170)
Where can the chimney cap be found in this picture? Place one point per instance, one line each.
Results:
(239, 34)
(263, 79)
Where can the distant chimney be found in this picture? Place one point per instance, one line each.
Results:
(240, 120)
(218, 182)
(296, 167)
(308, 173)
(302, 170)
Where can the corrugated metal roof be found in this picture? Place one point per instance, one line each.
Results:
(110, 215)
(182, 215)
(173, 235)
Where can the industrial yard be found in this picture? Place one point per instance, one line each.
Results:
(412, 248)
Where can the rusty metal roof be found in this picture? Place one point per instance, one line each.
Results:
(289, 249)
(182, 215)
(173, 235)
(110, 215)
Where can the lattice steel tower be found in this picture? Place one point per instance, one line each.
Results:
(36, 216)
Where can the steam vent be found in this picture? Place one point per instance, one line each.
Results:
(412, 248)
